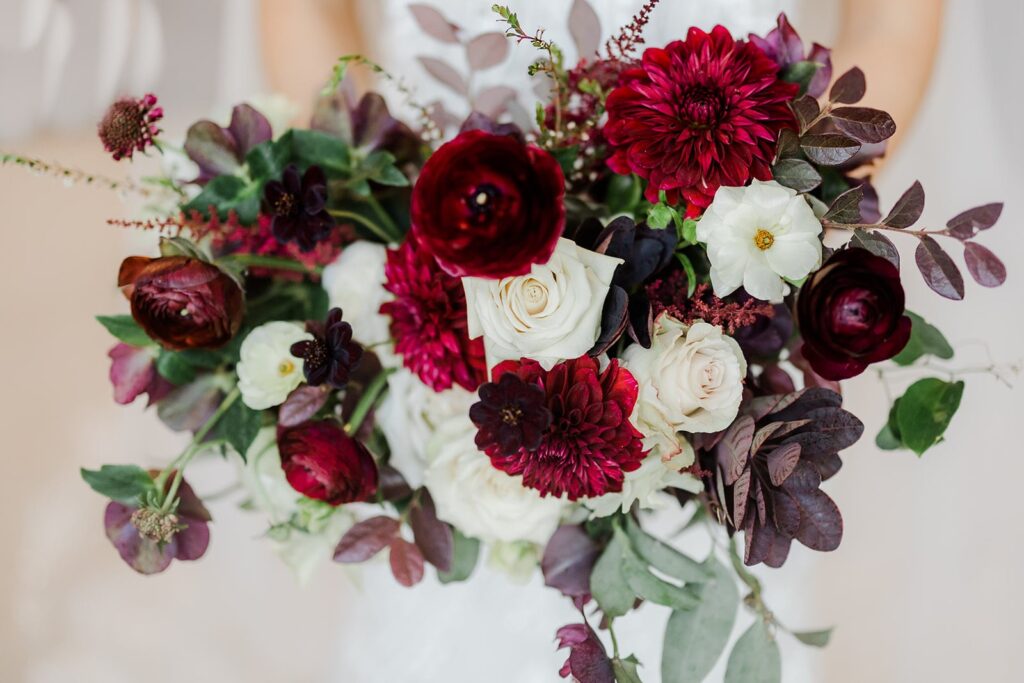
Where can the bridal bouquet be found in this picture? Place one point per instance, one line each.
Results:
(512, 335)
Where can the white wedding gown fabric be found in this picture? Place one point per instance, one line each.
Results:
(493, 629)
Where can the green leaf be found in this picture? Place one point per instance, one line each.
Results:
(222, 193)
(925, 411)
(608, 582)
(566, 158)
(691, 274)
(649, 587)
(624, 194)
(925, 339)
(625, 670)
(814, 638)
(688, 235)
(267, 160)
(887, 440)
(695, 639)
(663, 557)
(239, 427)
(464, 559)
(124, 483)
(326, 151)
(175, 368)
(800, 73)
(380, 167)
(660, 216)
(125, 329)
(755, 657)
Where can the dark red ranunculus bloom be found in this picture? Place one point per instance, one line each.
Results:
(510, 415)
(321, 461)
(698, 114)
(182, 302)
(428, 321)
(590, 444)
(850, 314)
(489, 206)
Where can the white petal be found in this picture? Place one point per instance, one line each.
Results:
(761, 282)
(794, 256)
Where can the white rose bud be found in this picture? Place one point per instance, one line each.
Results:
(354, 282)
(478, 498)
(552, 314)
(691, 380)
(756, 236)
(267, 371)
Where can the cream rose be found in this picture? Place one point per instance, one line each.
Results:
(354, 282)
(644, 486)
(551, 314)
(409, 415)
(479, 499)
(691, 380)
(267, 371)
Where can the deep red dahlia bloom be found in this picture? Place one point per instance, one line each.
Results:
(590, 444)
(182, 302)
(487, 205)
(698, 114)
(850, 314)
(321, 461)
(428, 321)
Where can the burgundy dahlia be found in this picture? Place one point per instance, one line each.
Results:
(698, 114)
(590, 443)
(321, 461)
(850, 314)
(297, 206)
(428, 321)
(488, 205)
(148, 540)
(129, 126)
(510, 415)
(331, 355)
(182, 302)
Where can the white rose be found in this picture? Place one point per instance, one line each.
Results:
(267, 371)
(691, 380)
(409, 415)
(645, 485)
(303, 531)
(479, 499)
(355, 284)
(551, 314)
(758, 235)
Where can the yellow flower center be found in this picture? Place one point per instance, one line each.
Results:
(286, 368)
(764, 239)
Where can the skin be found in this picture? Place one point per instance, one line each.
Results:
(894, 42)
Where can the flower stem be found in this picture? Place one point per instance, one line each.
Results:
(376, 229)
(754, 600)
(367, 401)
(74, 175)
(385, 219)
(275, 262)
(178, 464)
(615, 641)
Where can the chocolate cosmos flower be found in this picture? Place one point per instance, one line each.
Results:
(331, 355)
(297, 207)
(510, 415)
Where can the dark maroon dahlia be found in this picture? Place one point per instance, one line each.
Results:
(321, 461)
(590, 444)
(428, 321)
(698, 114)
(129, 126)
(851, 314)
(510, 415)
(331, 355)
(297, 206)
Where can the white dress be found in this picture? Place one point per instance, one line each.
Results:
(492, 629)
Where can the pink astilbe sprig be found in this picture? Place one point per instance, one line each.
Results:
(129, 126)
(668, 294)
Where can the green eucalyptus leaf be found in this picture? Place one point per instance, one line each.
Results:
(123, 483)
(663, 557)
(925, 339)
(608, 582)
(755, 657)
(464, 558)
(814, 638)
(695, 639)
(125, 329)
(625, 670)
(925, 411)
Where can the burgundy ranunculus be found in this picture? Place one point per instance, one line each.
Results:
(850, 314)
(321, 461)
(489, 206)
(148, 540)
(182, 302)
(698, 114)
(590, 443)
